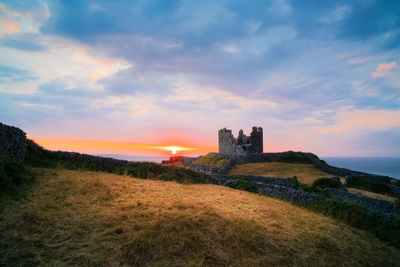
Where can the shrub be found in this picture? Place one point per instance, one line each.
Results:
(150, 170)
(323, 183)
(242, 183)
(212, 160)
(297, 157)
(12, 173)
(387, 229)
(369, 185)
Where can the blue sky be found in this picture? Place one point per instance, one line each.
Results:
(318, 76)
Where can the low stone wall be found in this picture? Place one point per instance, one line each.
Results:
(13, 142)
(378, 205)
(287, 193)
(226, 179)
(269, 186)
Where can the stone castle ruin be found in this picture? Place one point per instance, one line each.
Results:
(241, 145)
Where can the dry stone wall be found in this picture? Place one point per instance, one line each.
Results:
(13, 142)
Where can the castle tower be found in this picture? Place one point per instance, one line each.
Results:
(242, 145)
(256, 138)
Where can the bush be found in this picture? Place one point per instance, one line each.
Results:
(12, 173)
(297, 157)
(369, 185)
(150, 170)
(387, 229)
(37, 156)
(242, 183)
(212, 160)
(323, 183)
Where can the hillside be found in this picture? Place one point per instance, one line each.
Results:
(94, 218)
(306, 173)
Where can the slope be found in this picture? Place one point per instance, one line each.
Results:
(94, 218)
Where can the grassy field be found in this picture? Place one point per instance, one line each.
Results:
(91, 218)
(306, 173)
(212, 160)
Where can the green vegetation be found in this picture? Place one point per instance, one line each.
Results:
(323, 183)
(298, 157)
(13, 174)
(212, 160)
(242, 183)
(369, 185)
(387, 229)
(318, 186)
(150, 170)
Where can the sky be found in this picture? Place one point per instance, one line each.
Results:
(131, 76)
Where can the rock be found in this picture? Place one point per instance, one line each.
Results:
(13, 142)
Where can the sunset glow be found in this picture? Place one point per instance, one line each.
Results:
(104, 147)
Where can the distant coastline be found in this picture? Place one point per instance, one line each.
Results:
(387, 166)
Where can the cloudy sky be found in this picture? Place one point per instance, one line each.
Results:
(318, 76)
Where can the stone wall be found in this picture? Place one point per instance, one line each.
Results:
(377, 205)
(13, 142)
(270, 186)
(226, 179)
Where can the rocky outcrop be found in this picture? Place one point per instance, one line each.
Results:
(13, 142)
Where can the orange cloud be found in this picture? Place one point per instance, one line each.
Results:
(387, 66)
(8, 25)
(110, 147)
(358, 60)
(384, 69)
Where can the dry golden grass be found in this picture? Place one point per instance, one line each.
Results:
(371, 194)
(306, 173)
(91, 218)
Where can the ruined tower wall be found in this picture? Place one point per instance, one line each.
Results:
(242, 145)
(256, 138)
(228, 144)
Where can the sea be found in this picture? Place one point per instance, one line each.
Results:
(381, 166)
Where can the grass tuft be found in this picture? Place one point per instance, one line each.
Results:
(212, 160)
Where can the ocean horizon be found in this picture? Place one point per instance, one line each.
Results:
(386, 166)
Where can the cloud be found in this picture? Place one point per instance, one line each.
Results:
(358, 60)
(24, 42)
(10, 74)
(384, 69)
